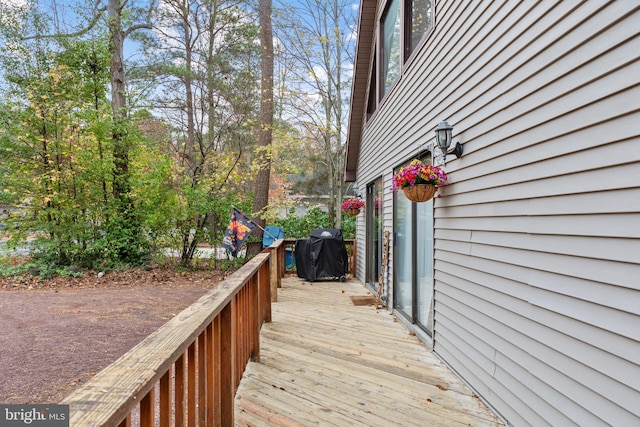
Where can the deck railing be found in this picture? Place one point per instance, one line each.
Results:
(187, 372)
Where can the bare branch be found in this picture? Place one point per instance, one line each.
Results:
(96, 17)
(137, 27)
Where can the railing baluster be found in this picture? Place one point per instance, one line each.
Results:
(147, 409)
(246, 339)
(165, 399)
(255, 317)
(209, 385)
(201, 379)
(217, 368)
(179, 391)
(227, 354)
(239, 335)
(239, 339)
(191, 385)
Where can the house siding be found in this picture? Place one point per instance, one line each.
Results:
(537, 250)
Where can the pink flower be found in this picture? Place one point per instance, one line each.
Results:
(352, 203)
(419, 173)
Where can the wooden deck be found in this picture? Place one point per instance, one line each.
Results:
(325, 361)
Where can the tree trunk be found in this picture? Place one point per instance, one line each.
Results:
(339, 168)
(190, 240)
(119, 107)
(188, 83)
(261, 195)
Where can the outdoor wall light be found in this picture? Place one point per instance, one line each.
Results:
(444, 133)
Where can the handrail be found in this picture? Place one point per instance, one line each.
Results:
(193, 364)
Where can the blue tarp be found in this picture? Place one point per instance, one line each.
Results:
(271, 234)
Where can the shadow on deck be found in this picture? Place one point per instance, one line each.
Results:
(325, 361)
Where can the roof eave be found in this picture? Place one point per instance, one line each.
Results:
(366, 26)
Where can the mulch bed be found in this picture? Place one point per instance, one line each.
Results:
(56, 334)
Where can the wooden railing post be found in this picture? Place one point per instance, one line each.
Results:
(275, 274)
(255, 316)
(281, 251)
(354, 257)
(266, 289)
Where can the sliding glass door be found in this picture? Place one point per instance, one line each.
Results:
(374, 233)
(413, 259)
(403, 255)
(424, 265)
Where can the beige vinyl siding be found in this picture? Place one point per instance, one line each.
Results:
(537, 239)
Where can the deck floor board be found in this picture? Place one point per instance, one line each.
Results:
(325, 361)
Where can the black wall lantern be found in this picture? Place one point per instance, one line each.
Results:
(444, 133)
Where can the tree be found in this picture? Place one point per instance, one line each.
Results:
(123, 225)
(80, 178)
(318, 42)
(53, 135)
(203, 58)
(261, 193)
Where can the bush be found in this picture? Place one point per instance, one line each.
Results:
(349, 226)
(297, 227)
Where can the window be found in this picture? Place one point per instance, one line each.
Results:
(372, 100)
(402, 28)
(390, 39)
(418, 23)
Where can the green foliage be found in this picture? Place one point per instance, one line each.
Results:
(122, 245)
(297, 227)
(8, 269)
(36, 267)
(230, 265)
(349, 226)
(215, 63)
(57, 161)
(105, 192)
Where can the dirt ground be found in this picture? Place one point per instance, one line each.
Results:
(57, 334)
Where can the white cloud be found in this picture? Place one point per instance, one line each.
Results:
(320, 73)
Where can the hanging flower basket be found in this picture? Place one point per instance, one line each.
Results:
(420, 192)
(352, 206)
(419, 182)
